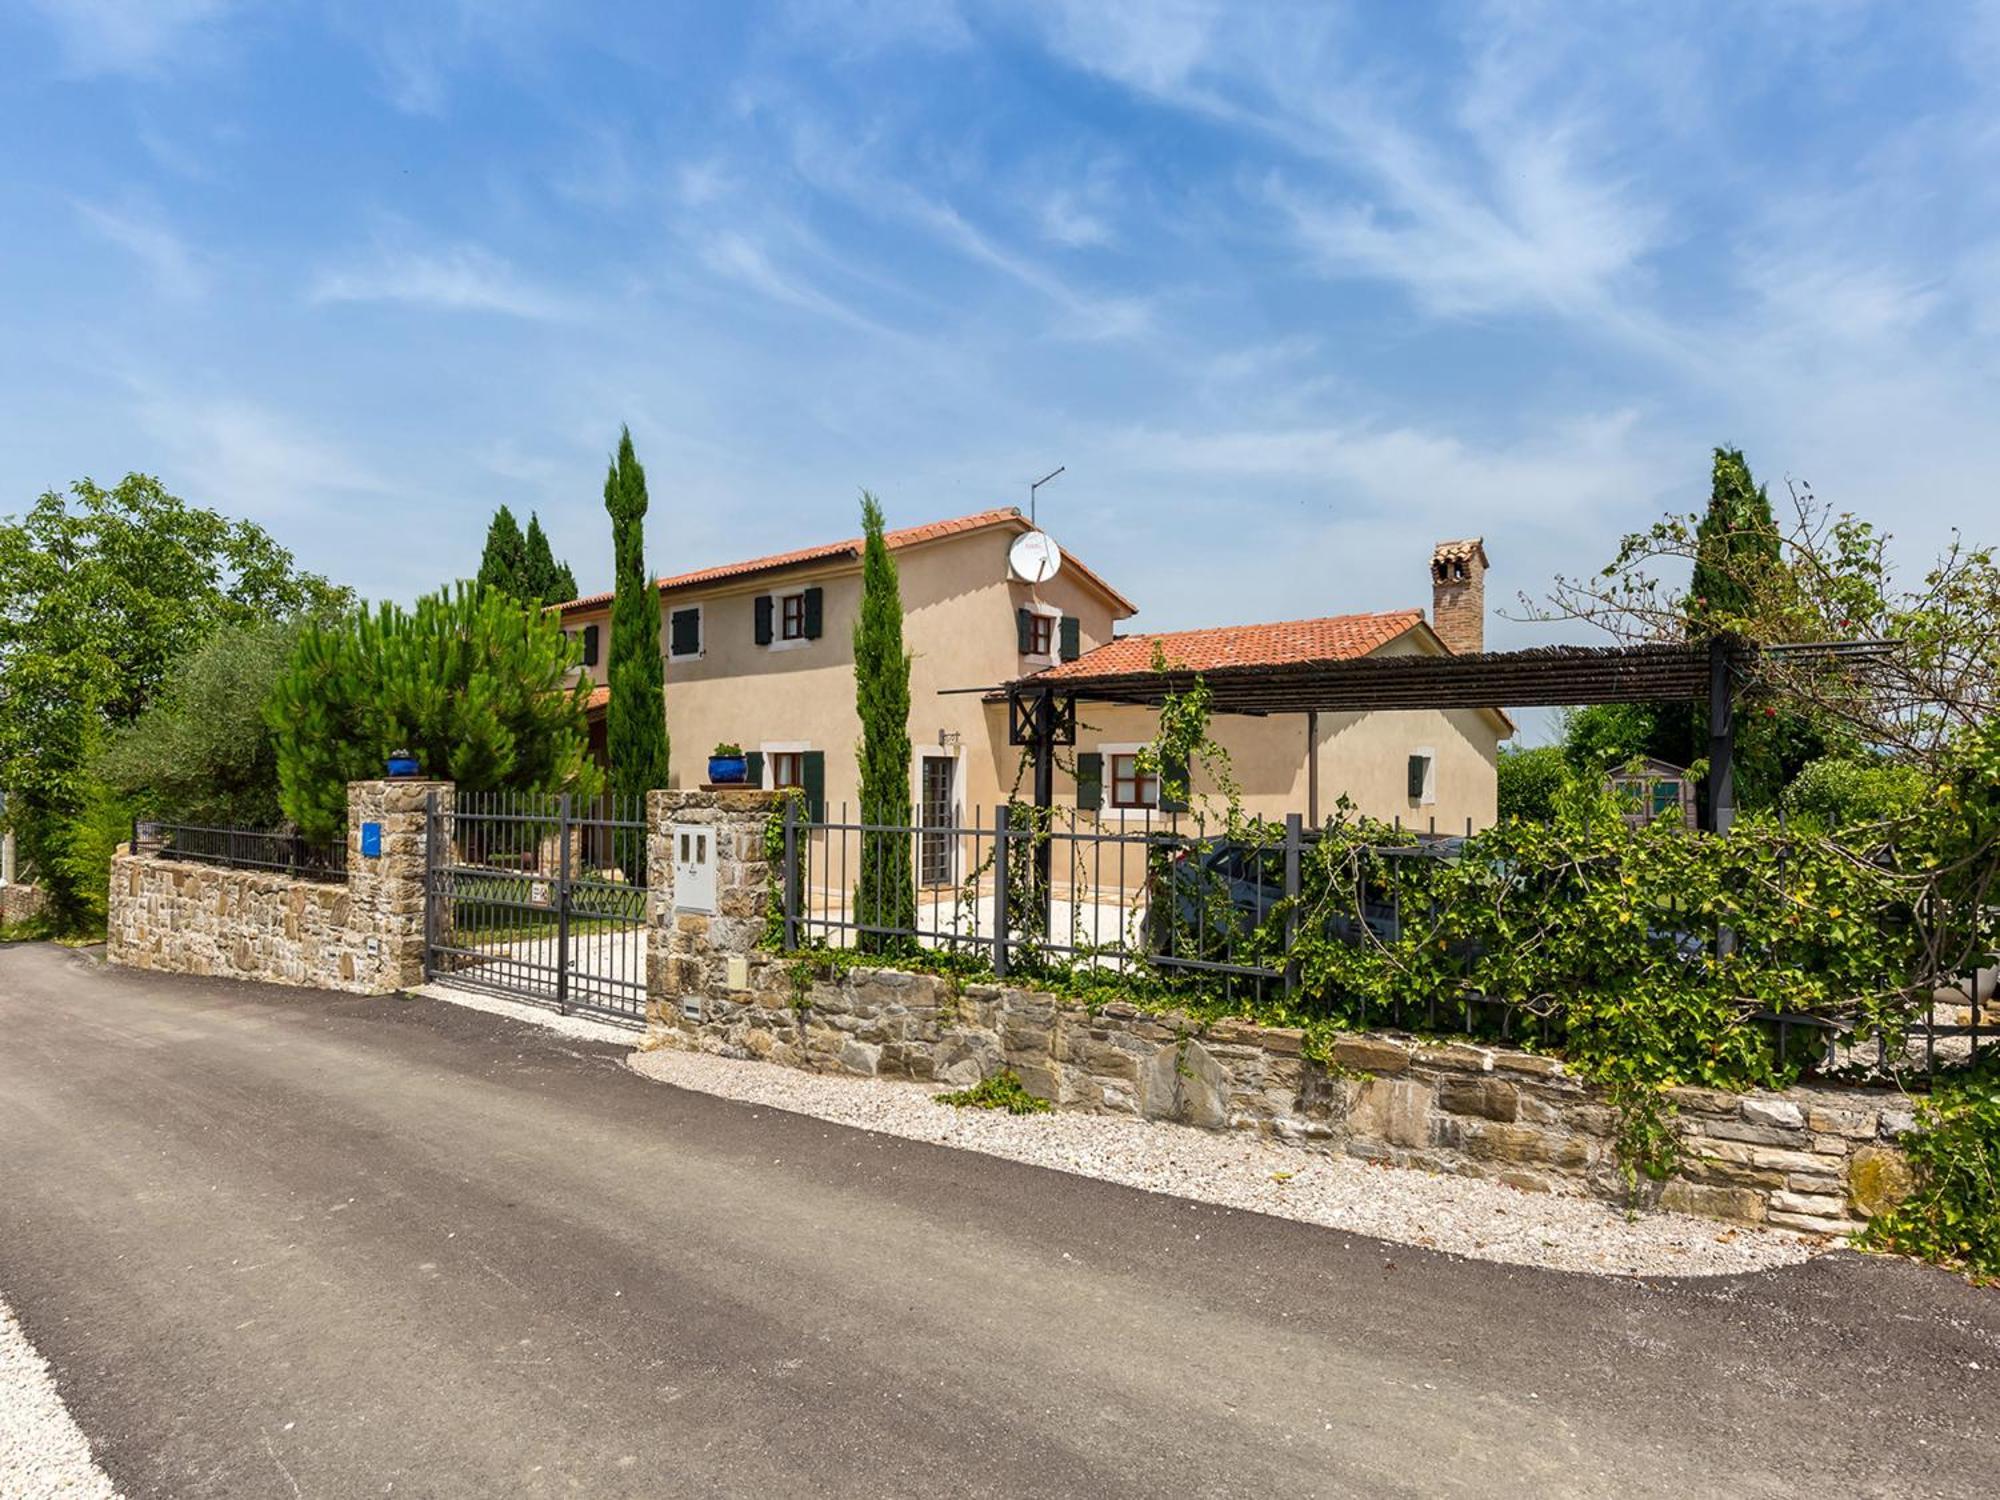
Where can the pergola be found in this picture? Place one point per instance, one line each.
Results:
(1041, 709)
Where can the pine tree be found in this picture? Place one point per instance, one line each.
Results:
(635, 721)
(544, 580)
(503, 565)
(885, 893)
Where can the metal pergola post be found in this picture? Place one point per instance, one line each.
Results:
(1721, 736)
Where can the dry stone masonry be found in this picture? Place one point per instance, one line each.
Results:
(1819, 1160)
(365, 935)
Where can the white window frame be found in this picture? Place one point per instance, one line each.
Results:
(1054, 616)
(771, 749)
(1107, 808)
(700, 632)
(779, 641)
(1430, 796)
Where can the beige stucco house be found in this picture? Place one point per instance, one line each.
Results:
(760, 654)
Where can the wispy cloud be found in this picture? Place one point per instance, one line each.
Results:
(464, 278)
(130, 36)
(175, 270)
(736, 256)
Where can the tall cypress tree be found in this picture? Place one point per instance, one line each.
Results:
(635, 720)
(503, 564)
(885, 891)
(1736, 542)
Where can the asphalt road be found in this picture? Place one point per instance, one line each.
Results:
(289, 1244)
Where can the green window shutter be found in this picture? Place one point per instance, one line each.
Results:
(1175, 770)
(815, 612)
(590, 645)
(763, 619)
(1089, 780)
(812, 773)
(1024, 625)
(754, 760)
(1072, 637)
(1419, 766)
(684, 631)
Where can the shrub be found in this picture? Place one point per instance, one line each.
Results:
(1004, 1090)
(1954, 1215)
(1530, 780)
(1835, 793)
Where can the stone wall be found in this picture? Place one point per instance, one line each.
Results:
(363, 935)
(18, 902)
(1818, 1160)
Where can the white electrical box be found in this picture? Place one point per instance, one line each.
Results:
(694, 867)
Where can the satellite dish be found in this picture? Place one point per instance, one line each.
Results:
(1034, 557)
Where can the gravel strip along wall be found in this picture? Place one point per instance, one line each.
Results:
(1818, 1160)
(364, 935)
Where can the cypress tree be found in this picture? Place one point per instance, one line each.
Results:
(635, 720)
(503, 564)
(885, 892)
(1736, 543)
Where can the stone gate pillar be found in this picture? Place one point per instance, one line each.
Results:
(386, 888)
(690, 939)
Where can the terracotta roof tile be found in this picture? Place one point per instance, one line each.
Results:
(906, 536)
(1336, 638)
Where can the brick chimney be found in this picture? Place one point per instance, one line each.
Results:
(1458, 594)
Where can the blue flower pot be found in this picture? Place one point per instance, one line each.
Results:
(723, 769)
(402, 763)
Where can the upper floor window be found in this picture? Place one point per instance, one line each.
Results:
(1041, 634)
(792, 617)
(684, 632)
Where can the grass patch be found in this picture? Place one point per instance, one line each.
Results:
(1004, 1090)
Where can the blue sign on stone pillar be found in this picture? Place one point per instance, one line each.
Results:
(371, 840)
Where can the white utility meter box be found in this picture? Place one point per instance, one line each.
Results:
(694, 867)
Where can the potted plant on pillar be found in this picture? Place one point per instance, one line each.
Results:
(728, 766)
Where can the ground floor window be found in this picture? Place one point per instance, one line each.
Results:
(1131, 785)
(788, 768)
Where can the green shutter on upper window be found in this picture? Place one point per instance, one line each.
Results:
(685, 632)
(763, 627)
(590, 645)
(815, 607)
(1024, 630)
(812, 780)
(1420, 766)
(1089, 780)
(1072, 637)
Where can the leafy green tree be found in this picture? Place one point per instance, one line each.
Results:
(546, 581)
(504, 562)
(635, 719)
(1835, 793)
(1530, 780)
(202, 751)
(885, 892)
(101, 591)
(471, 680)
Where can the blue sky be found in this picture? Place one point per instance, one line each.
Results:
(1292, 289)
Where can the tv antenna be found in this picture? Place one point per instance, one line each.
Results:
(1037, 485)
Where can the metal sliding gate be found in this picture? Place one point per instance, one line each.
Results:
(540, 898)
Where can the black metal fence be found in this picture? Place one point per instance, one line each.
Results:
(248, 849)
(1159, 895)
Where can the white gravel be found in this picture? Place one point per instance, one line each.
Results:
(1459, 1215)
(43, 1454)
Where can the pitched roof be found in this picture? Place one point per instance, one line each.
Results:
(905, 536)
(1335, 638)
